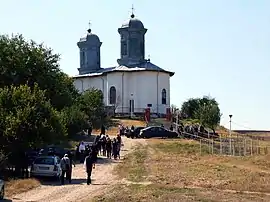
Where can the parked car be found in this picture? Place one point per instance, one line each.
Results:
(46, 166)
(31, 156)
(2, 189)
(55, 150)
(137, 131)
(156, 131)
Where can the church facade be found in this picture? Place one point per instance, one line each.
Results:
(135, 83)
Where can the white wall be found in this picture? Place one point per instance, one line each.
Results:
(145, 86)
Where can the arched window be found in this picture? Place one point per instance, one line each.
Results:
(163, 97)
(112, 95)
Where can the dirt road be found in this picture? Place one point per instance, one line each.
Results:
(102, 178)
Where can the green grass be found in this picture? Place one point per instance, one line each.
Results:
(133, 168)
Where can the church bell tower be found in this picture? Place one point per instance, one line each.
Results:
(132, 42)
(89, 46)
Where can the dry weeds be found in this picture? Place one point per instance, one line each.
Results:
(21, 185)
(126, 122)
(179, 173)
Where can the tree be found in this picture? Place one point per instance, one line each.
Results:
(209, 115)
(189, 107)
(75, 120)
(91, 103)
(27, 119)
(24, 62)
(205, 109)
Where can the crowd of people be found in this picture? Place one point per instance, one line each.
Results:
(103, 145)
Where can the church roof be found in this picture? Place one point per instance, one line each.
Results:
(133, 23)
(89, 36)
(147, 66)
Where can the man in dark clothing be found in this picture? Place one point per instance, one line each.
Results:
(89, 165)
(132, 131)
(65, 166)
(102, 130)
(109, 147)
(115, 148)
(69, 172)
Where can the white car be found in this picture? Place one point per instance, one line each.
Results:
(46, 166)
(2, 189)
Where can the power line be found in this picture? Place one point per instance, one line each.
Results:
(242, 126)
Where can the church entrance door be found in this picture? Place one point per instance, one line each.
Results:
(131, 107)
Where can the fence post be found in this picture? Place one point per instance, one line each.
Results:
(233, 147)
(251, 147)
(220, 144)
(239, 147)
(200, 146)
(212, 146)
(245, 148)
(258, 146)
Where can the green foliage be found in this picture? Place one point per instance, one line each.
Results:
(209, 115)
(39, 103)
(75, 120)
(205, 109)
(91, 103)
(27, 119)
(24, 62)
(189, 108)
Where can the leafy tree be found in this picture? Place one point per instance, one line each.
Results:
(209, 115)
(91, 103)
(27, 119)
(23, 62)
(75, 120)
(205, 109)
(188, 109)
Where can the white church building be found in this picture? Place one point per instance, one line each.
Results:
(135, 83)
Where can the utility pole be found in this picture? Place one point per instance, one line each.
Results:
(230, 132)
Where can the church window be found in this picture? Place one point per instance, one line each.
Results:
(124, 48)
(83, 57)
(112, 95)
(163, 97)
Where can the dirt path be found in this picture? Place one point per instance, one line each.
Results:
(102, 178)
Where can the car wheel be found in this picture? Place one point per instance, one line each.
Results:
(2, 193)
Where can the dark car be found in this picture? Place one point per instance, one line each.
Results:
(137, 131)
(53, 150)
(156, 131)
(31, 156)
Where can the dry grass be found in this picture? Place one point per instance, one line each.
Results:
(179, 173)
(126, 122)
(14, 187)
(133, 167)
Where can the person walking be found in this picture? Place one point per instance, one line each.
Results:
(89, 166)
(109, 147)
(69, 172)
(65, 166)
(114, 148)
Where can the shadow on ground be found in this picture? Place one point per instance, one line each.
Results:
(6, 200)
(51, 182)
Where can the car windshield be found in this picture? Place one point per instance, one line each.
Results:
(44, 161)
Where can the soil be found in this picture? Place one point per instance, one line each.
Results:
(102, 178)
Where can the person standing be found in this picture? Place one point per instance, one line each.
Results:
(65, 166)
(114, 148)
(69, 172)
(82, 151)
(109, 147)
(89, 166)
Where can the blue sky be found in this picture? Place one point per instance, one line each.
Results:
(215, 47)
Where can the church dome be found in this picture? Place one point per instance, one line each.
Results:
(133, 23)
(90, 37)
